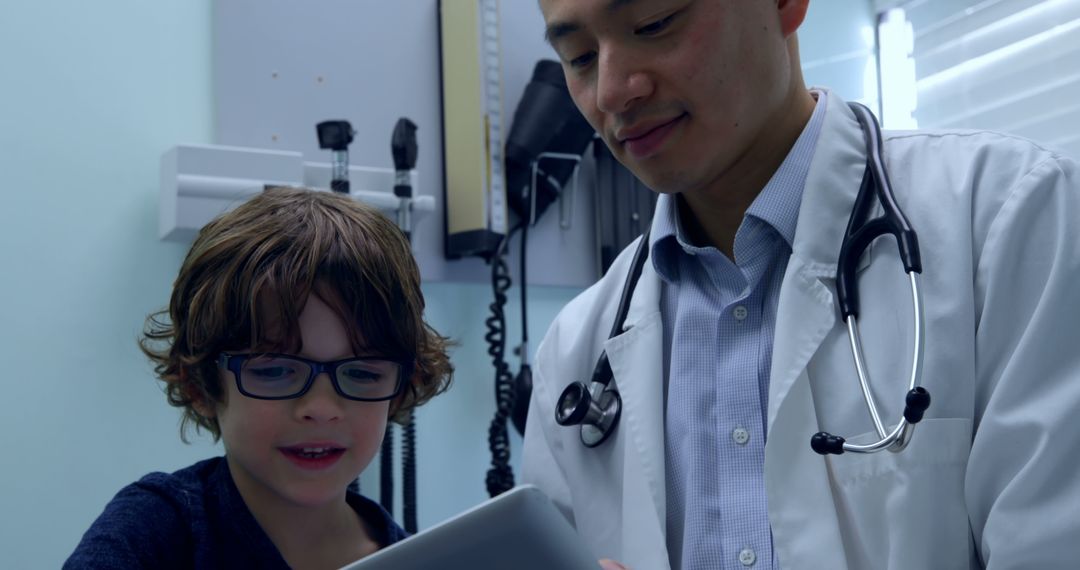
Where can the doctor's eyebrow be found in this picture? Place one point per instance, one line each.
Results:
(558, 30)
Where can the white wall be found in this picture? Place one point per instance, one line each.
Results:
(93, 93)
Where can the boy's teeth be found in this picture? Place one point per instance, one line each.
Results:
(314, 449)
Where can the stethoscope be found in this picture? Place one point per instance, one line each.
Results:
(596, 407)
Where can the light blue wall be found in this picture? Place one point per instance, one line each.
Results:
(93, 93)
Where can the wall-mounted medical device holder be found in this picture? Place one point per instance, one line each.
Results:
(566, 196)
(199, 182)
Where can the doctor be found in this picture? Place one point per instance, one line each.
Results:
(733, 352)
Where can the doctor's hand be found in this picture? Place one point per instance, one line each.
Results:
(608, 564)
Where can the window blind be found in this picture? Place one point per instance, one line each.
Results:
(1005, 65)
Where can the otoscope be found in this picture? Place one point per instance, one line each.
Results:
(336, 136)
(403, 147)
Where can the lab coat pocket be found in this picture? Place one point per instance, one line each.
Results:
(906, 510)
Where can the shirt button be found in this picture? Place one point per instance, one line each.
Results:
(740, 313)
(747, 557)
(740, 435)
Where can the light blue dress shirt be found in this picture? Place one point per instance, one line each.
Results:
(719, 317)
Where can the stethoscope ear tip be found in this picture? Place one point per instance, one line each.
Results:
(827, 444)
(918, 400)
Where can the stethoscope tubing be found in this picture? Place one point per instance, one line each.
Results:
(898, 438)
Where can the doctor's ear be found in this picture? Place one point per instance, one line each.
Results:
(792, 14)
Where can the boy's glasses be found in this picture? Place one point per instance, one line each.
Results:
(284, 376)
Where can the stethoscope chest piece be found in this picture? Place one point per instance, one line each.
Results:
(597, 416)
(596, 407)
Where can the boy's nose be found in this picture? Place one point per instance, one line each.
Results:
(321, 403)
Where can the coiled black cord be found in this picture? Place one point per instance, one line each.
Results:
(523, 381)
(386, 470)
(408, 474)
(500, 478)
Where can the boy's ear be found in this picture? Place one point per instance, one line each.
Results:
(199, 401)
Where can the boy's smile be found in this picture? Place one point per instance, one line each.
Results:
(314, 456)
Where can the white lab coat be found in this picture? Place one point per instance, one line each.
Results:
(990, 478)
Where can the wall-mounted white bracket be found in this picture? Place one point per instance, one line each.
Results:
(199, 182)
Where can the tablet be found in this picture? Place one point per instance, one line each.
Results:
(520, 529)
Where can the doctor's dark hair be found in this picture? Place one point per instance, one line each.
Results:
(243, 284)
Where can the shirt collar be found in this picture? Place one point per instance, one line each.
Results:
(664, 241)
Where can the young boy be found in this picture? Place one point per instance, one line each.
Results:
(294, 332)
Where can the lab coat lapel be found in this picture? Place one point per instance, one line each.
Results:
(801, 508)
(636, 358)
(806, 532)
(806, 309)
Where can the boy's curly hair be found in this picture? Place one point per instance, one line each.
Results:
(254, 267)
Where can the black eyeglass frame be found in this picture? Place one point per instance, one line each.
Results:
(235, 362)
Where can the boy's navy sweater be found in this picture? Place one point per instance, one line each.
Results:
(194, 518)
